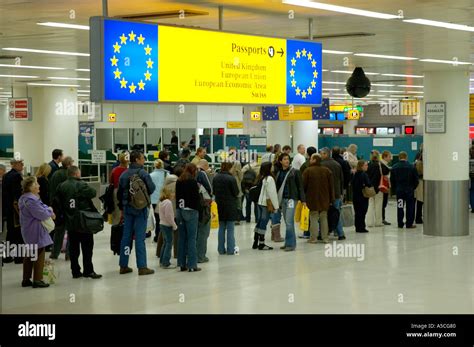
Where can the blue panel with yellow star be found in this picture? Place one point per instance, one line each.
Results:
(130, 61)
(304, 73)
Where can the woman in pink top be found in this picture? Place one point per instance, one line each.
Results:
(167, 225)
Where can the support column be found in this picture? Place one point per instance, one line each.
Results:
(54, 125)
(278, 132)
(446, 157)
(305, 132)
(349, 127)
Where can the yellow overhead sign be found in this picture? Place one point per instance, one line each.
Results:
(112, 117)
(235, 125)
(295, 113)
(353, 114)
(255, 116)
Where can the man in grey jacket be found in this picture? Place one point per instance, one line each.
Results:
(338, 176)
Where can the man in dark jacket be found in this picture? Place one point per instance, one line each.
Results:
(318, 182)
(346, 167)
(404, 179)
(59, 177)
(338, 177)
(76, 195)
(10, 195)
(204, 226)
(181, 163)
(309, 151)
(135, 220)
(57, 159)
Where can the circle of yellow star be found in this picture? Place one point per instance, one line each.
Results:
(132, 88)
(117, 73)
(141, 85)
(293, 83)
(123, 39)
(123, 83)
(116, 47)
(313, 84)
(147, 50)
(114, 60)
(149, 63)
(310, 91)
(147, 76)
(310, 56)
(132, 36)
(298, 91)
(303, 94)
(313, 63)
(141, 40)
(298, 54)
(315, 74)
(304, 52)
(292, 72)
(293, 61)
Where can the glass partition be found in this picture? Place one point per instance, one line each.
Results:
(171, 140)
(153, 139)
(120, 140)
(104, 139)
(188, 135)
(137, 139)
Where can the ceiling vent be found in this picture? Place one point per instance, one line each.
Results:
(336, 36)
(163, 15)
(9, 57)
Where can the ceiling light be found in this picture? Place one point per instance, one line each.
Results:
(87, 70)
(350, 72)
(341, 94)
(382, 85)
(83, 91)
(64, 25)
(332, 89)
(415, 92)
(409, 86)
(328, 51)
(376, 95)
(32, 67)
(18, 76)
(452, 62)
(53, 85)
(401, 75)
(440, 24)
(331, 82)
(325, 70)
(384, 56)
(42, 51)
(390, 91)
(341, 9)
(69, 78)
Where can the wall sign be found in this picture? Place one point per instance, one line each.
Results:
(19, 109)
(98, 157)
(235, 125)
(255, 116)
(383, 142)
(435, 117)
(112, 117)
(143, 62)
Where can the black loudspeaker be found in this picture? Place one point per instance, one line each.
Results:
(358, 85)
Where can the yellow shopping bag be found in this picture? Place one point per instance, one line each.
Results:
(214, 216)
(299, 205)
(304, 223)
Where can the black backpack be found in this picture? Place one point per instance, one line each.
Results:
(254, 192)
(248, 180)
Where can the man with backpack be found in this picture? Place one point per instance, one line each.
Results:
(135, 188)
(249, 179)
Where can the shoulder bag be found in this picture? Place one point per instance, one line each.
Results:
(384, 182)
(270, 207)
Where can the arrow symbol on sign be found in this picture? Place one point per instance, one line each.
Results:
(281, 52)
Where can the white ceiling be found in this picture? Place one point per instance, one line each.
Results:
(18, 28)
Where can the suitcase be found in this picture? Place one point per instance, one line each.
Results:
(116, 238)
(347, 216)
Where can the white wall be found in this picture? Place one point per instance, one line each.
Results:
(6, 126)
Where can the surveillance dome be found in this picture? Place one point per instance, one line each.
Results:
(358, 85)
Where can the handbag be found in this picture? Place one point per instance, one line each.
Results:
(347, 216)
(90, 222)
(384, 183)
(304, 224)
(48, 224)
(368, 192)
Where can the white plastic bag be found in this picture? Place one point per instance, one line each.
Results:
(151, 224)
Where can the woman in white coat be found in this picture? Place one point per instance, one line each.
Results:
(267, 204)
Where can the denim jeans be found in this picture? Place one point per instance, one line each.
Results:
(263, 218)
(248, 208)
(165, 254)
(276, 217)
(288, 211)
(187, 228)
(201, 242)
(223, 227)
(338, 204)
(135, 222)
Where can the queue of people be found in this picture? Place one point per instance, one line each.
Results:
(180, 197)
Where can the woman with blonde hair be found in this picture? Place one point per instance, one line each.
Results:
(158, 177)
(351, 156)
(167, 226)
(375, 171)
(33, 214)
(42, 177)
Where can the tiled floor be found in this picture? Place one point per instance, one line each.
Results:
(402, 272)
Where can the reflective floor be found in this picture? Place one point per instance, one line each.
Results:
(401, 271)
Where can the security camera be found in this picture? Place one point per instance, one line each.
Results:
(358, 85)
(144, 125)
